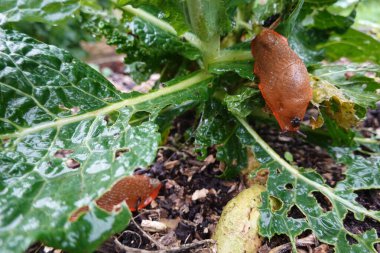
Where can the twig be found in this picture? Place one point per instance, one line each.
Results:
(181, 248)
(304, 242)
(159, 245)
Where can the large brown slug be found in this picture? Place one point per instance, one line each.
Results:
(284, 80)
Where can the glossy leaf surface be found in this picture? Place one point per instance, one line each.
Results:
(62, 128)
(38, 10)
(294, 188)
(217, 128)
(355, 45)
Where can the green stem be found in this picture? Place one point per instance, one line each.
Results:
(366, 140)
(231, 56)
(150, 18)
(184, 84)
(203, 17)
(323, 189)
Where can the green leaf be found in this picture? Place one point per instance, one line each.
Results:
(58, 112)
(243, 69)
(236, 59)
(207, 19)
(368, 16)
(343, 93)
(37, 11)
(325, 20)
(149, 45)
(170, 12)
(294, 187)
(355, 45)
(310, 24)
(358, 83)
(217, 128)
(242, 102)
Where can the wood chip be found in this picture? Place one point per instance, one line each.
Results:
(153, 226)
(323, 248)
(199, 194)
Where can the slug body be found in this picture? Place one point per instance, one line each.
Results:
(284, 80)
(137, 191)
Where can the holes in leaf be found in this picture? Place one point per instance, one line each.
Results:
(62, 153)
(261, 176)
(295, 213)
(323, 201)
(289, 186)
(120, 152)
(364, 151)
(74, 110)
(138, 118)
(370, 199)
(275, 203)
(5, 140)
(358, 227)
(72, 164)
(111, 118)
(351, 240)
(277, 240)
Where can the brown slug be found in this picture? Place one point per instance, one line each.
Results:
(284, 80)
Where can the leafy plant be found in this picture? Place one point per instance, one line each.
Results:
(62, 123)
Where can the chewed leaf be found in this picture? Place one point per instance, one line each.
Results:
(338, 107)
(297, 187)
(242, 102)
(217, 128)
(345, 91)
(66, 139)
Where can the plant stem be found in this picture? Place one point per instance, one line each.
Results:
(134, 101)
(203, 17)
(366, 140)
(323, 189)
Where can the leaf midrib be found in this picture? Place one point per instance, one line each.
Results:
(325, 190)
(201, 76)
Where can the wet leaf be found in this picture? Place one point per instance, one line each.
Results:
(242, 102)
(355, 45)
(37, 11)
(217, 128)
(148, 46)
(170, 12)
(294, 187)
(237, 58)
(54, 160)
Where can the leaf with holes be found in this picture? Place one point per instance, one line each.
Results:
(298, 188)
(65, 140)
